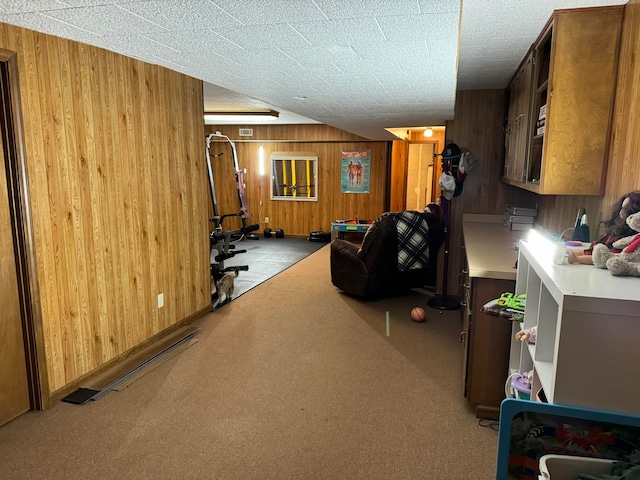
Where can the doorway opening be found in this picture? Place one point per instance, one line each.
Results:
(420, 175)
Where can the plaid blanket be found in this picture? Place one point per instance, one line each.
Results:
(413, 240)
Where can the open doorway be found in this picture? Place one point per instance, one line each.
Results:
(414, 173)
(420, 166)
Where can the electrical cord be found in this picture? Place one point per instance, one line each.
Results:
(565, 231)
(489, 423)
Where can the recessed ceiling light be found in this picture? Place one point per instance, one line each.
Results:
(300, 97)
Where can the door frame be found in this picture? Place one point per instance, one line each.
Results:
(11, 129)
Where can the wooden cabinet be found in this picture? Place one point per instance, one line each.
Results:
(575, 61)
(487, 273)
(518, 121)
(588, 323)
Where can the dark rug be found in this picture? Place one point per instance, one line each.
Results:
(266, 258)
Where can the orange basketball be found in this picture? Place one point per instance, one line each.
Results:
(417, 314)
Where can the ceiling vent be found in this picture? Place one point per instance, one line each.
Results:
(246, 132)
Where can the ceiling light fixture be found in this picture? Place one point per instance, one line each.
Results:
(428, 132)
(219, 117)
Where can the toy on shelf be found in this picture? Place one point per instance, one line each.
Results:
(507, 306)
(518, 385)
(627, 262)
(527, 335)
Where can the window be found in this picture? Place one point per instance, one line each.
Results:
(294, 176)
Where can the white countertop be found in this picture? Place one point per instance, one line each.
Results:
(490, 246)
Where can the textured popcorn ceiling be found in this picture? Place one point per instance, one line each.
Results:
(358, 65)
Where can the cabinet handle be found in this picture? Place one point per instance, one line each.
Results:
(518, 120)
(463, 335)
(463, 304)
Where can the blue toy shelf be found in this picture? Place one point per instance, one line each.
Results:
(528, 430)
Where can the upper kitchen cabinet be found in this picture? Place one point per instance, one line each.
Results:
(575, 64)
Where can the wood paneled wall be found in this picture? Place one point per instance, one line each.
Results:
(296, 218)
(118, 198)
(476, 127)
(623, 173)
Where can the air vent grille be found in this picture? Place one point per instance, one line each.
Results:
(246, 132)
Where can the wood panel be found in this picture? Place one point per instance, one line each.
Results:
(296, 218)
(477, 127)
(398, 181)
(623, 172)
(118, 198)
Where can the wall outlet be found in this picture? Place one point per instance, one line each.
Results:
(161, 300)
(266, 219)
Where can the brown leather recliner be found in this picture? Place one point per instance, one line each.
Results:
(373, 270)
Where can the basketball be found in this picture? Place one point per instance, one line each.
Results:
(417, 314)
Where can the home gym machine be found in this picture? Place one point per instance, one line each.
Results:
(221, 242)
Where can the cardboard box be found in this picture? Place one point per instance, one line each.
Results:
(543, 112)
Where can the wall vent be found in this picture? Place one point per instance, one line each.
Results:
(246, 132)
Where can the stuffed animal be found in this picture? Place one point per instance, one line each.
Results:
(627, 262)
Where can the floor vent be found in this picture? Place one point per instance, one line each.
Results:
(246, 132)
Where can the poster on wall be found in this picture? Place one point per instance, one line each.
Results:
(355, 172)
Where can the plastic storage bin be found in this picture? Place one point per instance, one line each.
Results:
(566, 467)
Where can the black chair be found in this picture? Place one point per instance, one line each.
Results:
(398, 252)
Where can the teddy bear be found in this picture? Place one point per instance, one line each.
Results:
(627, 262)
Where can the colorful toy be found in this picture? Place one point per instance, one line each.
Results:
(627, 262)
(516, 302)
(527, 335)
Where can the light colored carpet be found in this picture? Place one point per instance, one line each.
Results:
(292, 380)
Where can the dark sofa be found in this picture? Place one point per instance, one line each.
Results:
(372, 271)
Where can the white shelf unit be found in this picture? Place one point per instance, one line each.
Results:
(587, 351)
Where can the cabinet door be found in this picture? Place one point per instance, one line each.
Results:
(465, 312)
(489, 347)
(569, 155)
(518, 120)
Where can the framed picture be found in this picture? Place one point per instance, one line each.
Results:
(355, 171)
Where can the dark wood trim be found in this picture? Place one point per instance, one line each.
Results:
(387, 177)
(11, 128)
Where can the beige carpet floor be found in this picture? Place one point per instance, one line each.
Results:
(293, 380)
